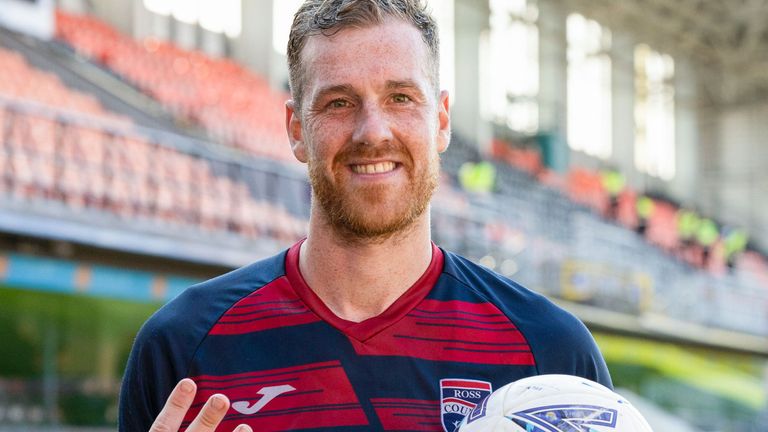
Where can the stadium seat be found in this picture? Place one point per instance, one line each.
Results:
(585, 187)
(238, 107)
(523, 158)
(627, 212)
(662, 226)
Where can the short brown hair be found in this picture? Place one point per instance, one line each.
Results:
(326, 17)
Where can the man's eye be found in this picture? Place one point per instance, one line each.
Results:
(338, 103)
(401, 98)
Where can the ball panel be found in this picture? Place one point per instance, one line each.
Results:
(556, 403)
(495, 423)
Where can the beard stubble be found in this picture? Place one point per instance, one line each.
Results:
(357, 215)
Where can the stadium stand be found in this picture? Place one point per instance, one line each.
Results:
(20, 80)
(178, 79)
(183, 81)
(556, 231)
(586, 188)
(50, 150)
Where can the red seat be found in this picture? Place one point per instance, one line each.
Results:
(586, 187)
(237, 106)
(662, 226)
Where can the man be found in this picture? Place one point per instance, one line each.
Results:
(366, 324)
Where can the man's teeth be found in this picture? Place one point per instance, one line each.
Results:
(376, 168)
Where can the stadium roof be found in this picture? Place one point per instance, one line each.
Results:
(727, 39)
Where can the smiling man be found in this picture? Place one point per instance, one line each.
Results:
(365, 324)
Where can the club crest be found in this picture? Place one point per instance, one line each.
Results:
(458, 398)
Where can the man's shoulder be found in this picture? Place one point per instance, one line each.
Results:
(240, 281)
(197, 308)
(559, 341)
(484, 280)
(522, 305)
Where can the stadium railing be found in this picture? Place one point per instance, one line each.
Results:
(88, 162)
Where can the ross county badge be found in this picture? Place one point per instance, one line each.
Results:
(458, 398)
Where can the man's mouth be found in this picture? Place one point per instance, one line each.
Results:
(374, 168)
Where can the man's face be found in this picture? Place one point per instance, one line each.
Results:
(370, 128)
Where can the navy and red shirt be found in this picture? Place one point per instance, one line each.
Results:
(262, 337)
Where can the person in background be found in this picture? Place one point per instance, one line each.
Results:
(613, 183)
(687, 225)
(644, 206)
(477, 177)
(735, 241)
(707, 234)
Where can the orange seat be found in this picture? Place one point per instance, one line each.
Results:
(238, 106)
(662, 226)
(585, 187)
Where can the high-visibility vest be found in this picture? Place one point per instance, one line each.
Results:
(707, 233)
(687, 224)
(477, 177)
(645, 207)
(613, 182)
(735, 242)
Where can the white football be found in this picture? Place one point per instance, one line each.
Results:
(554, 403)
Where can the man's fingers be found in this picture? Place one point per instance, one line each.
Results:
(211, 415)
(176, 407)
(172, 415)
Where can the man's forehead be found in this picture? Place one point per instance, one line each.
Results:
(388, 34)
(380, 49)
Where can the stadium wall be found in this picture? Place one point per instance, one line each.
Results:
(738, 178)
(24, 271)
(31, 17)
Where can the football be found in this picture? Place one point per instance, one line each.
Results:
(554, 403)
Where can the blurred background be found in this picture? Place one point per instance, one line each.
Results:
(609, 154)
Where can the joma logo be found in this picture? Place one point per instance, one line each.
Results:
(267, 394)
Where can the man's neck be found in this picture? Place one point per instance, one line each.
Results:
(357, 280)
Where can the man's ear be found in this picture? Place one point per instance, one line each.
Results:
(443, 122)
(293, 127)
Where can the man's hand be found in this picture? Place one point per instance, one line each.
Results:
(178, 403)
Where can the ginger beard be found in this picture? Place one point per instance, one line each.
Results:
(371, 212)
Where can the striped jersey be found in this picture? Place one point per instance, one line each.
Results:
(263, 338)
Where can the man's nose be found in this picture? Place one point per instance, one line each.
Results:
(372, 126)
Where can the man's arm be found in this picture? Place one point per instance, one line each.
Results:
(574, 353)
(150, 376)
(161, 356)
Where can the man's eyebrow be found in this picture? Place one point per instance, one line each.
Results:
(403, 84)
(338, 88)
